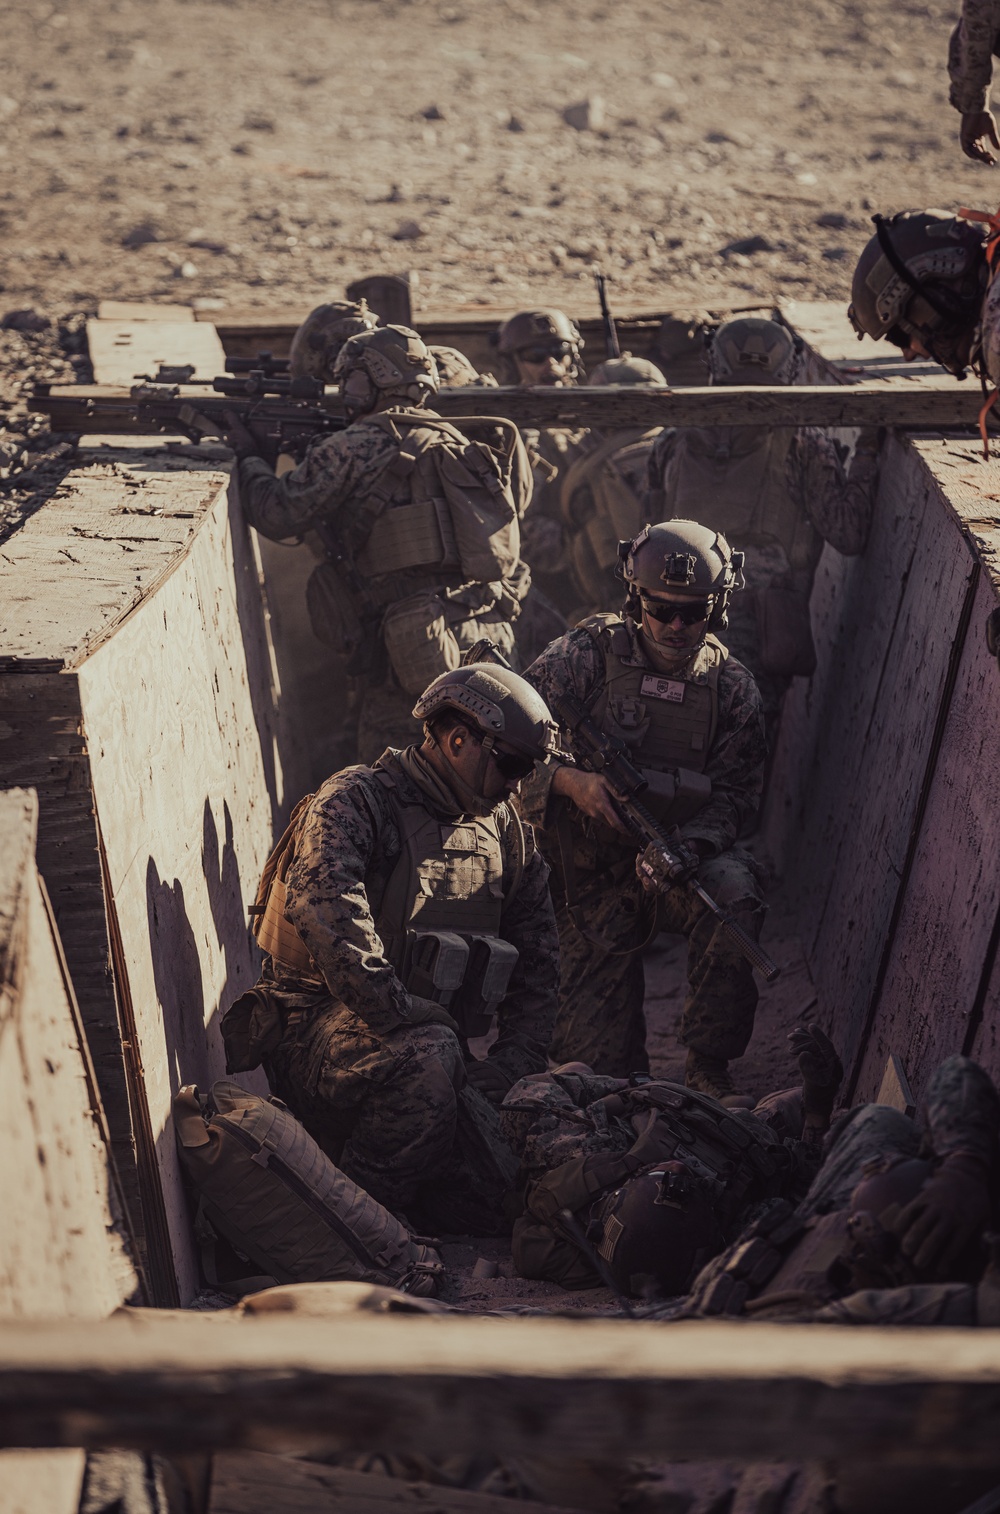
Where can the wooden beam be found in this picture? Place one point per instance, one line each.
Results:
(921, 406)
(601, 1389)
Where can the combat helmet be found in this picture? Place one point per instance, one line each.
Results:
(454, 369)
(922, 274)
(685, 559)
(498, 703)
(317, 343)
(628, 371)
(657, 1231)
(549, 329)
(752, 350)
(393, 360)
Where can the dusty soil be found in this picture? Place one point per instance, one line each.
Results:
(262, 154)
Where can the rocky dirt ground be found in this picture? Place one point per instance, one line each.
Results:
(254, 154)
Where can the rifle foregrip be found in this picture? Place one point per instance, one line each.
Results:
(755, 955)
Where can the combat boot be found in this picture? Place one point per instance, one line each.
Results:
(709, 1075)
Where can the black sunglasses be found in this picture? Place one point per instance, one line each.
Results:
(513, 765)
(689, 614)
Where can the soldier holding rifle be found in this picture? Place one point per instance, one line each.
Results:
(657, 680)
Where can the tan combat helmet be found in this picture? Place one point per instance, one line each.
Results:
(496, 702)
(454, 370)
(628, 371)
(391, 361)
(681, 558)
(923, 274)
(317, 343)
(545, 331)
(752, 350)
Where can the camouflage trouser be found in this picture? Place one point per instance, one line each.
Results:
(869, 1131)
(385, 720)
(384, 1108)
(602, 985)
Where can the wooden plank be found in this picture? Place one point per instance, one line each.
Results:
(179, 712)
(894, 1089)
(253, 1482)
(144, 310)
(83, 562)
(838, 354)
(40, 1482)
(80, 408)
(600, 1390)
(122, 350)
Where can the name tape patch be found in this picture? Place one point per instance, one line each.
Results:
(663, 688)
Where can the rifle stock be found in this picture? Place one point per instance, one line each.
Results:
(604, 754)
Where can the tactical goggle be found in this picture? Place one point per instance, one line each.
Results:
(513, 765)
(539, 355)
(690, 613)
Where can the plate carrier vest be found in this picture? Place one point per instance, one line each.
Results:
(439, 919)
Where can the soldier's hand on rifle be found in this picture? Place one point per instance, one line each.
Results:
(977, 133)
(237, 436)
(591, 793)
(659, 870)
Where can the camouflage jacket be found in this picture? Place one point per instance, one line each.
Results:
(337, 469)
(575, 664)
(345, 851)
(838, 501)
(971, 50)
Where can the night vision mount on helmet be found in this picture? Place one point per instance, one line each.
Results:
(682, 558)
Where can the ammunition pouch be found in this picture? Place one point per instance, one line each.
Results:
(676, 795)
(466, 974)
(333, 614)
(784, 633)
(426, 634)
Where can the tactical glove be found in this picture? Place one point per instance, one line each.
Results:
(490, 1078)
(426, 1012)
(952, 1207)
(822, 1073)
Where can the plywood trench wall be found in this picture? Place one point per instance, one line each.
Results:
(883, 809)
(160, 785)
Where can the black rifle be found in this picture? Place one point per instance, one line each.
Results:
(664, 869)
(264, 362)
(281, 414)
(610, 329)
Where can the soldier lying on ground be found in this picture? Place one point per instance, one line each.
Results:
(970, 69)
(405, 903)
(403, 589)
(777, 495)
(544, 347)
(896, 1229)
(658, 678)
(657, 1177)
(602, 494)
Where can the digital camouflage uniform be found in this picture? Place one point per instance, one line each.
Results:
(330, 486)
(603, 912)
(603, 502)
(970, 55)
(576, 1141)
(824, 1261)
(721, 476)
(380, 1094)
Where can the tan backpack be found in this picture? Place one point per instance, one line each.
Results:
(265, 1186)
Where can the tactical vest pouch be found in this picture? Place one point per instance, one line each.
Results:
(332, 613)
(419, 641)
(268, 1189)
(410, 536)
(491, 964)
(435, 964)
(251, 1027)
(784, 631)
(676, 795)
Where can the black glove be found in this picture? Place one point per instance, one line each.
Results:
(426, 1012)
(822, 1072)
(242, 441)
(952, 1207)
(490, 1079)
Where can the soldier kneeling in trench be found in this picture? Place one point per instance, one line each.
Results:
(404, 905)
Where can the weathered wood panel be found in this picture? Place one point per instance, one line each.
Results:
(40, 1482)
(186, 779)
(123, 350)
(60, 1253)
(600, 1390)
